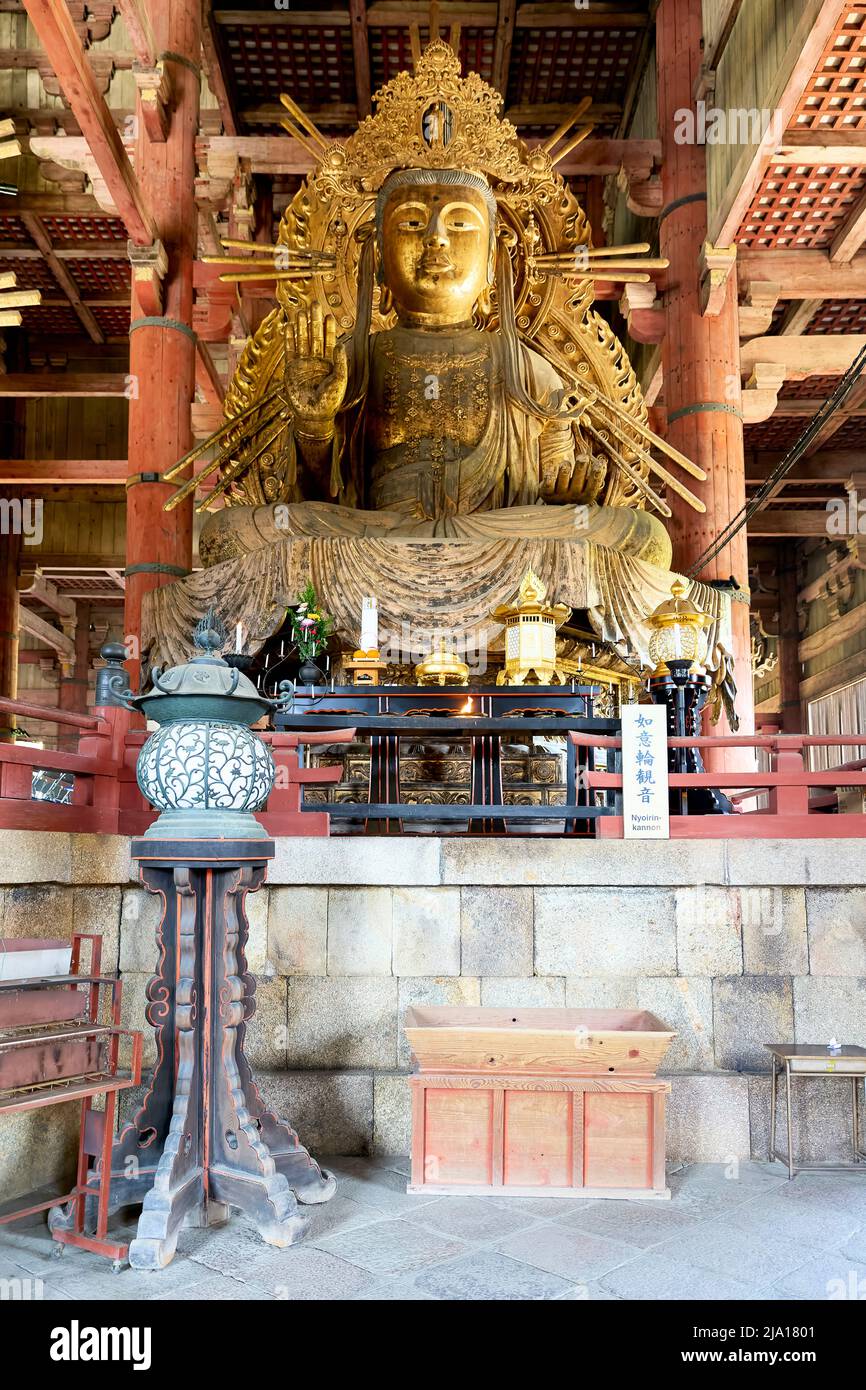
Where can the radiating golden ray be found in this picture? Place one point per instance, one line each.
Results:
(571, 144)
(304, 121)
(574, 115)
(224, 428)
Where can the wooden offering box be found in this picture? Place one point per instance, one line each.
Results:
(538, 1102)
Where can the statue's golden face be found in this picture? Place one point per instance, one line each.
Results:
(435, 249)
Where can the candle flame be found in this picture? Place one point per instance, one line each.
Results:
(467, 708)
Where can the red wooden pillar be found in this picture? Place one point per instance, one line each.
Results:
(72, 689)
(789, 642)
(10, 549)
(700, 355)
(162, 341)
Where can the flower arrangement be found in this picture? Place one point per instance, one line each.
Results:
(311, 628)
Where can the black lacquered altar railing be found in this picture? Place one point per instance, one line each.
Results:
(483, 718)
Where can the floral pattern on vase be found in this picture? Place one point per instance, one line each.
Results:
(205, 765)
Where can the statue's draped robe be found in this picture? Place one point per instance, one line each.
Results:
(493, 491)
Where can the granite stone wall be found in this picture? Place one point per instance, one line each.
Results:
(733, 943)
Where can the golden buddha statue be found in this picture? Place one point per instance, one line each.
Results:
(433, 369)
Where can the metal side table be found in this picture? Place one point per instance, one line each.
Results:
(814, 1059)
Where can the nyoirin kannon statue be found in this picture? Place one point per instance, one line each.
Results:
(434, 369)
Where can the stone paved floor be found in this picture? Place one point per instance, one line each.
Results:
(720, 1237)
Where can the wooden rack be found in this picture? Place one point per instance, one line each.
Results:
(92, 1055)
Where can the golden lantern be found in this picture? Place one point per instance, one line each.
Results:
(530, 636)
(679, 632)
(442, 666)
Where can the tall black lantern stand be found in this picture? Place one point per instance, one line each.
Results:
(678, 646)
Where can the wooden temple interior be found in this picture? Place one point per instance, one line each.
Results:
(121, 173)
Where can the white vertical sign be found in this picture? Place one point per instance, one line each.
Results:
(369, 625)
(645, 772)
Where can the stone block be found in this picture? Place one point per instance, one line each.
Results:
(748, 1012)
(350, 860)
(298, 931)
(35, 856)
(708, 1119)
(97, 909)
(685, 1005)
(496, 931)
(101, 859)
(38, 1148)
(605, 931)
(132, 1007)
(837, 930)
(795, 862)
(140, 915)
(774, 931)
(821, 1119)
(359, 931)
(826, 1006)
(620, 863)
(332, 1112)
(267, 1030)
(39, 909)
(709, 938)
(590, 992)
(392, 1114)
(537, 992)
(426, 931)
(431, 990)
(256, 907)
(342, 1022)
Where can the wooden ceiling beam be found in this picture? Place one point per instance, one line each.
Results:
(53, 25)
(361, 54)
(591, 16)
(506, 14)
(207, 378)
(137, 21)
(46, 632)
(825, 466)
(810, 37)
(90, 472)
(774, 522)
(37, 384)
(804, 274)
(798, 316)
(279, 154)
(37, 231)
(213, 69)
(851, 235)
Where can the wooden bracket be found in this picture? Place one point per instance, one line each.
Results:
(715, 266)
(705, 83)
(154, 92)
(645, 318)
(758, 306)
(761, 392)
(149, 266)
(642, 189)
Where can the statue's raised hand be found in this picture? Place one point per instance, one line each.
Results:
(316, 371)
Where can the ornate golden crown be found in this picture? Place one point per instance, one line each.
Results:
(436, 119)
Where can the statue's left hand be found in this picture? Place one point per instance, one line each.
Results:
(575, 480)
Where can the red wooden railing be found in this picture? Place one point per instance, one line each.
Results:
(105, 795)
(791, 813)
(106, 800)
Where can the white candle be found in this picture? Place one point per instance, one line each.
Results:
(369, 625)
(239, 638)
